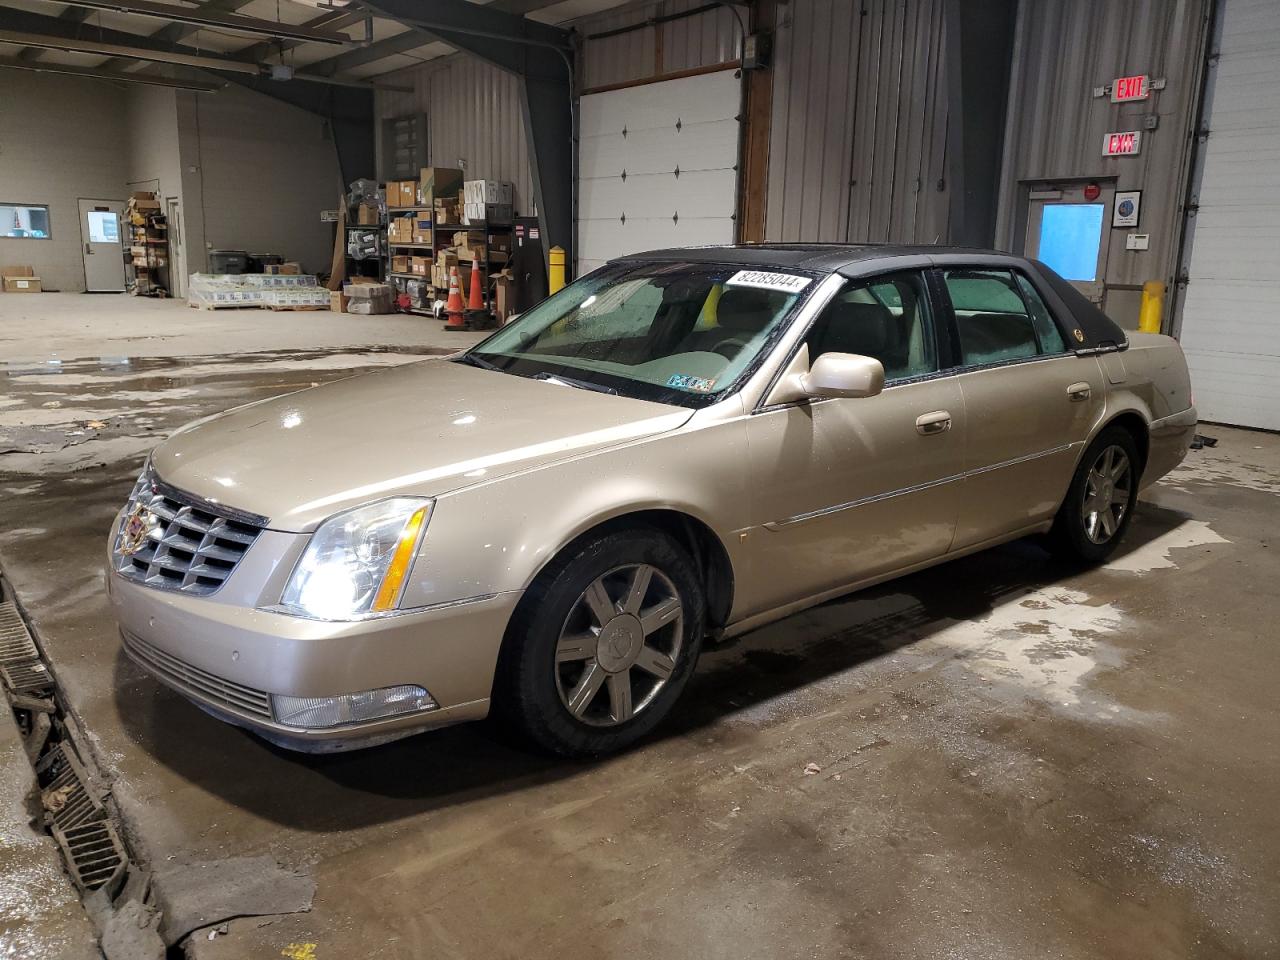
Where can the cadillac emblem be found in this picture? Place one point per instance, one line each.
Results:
(133, 532)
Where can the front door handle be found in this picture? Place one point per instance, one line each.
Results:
(927, 424)
(1079, 392)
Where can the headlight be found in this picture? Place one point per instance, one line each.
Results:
(357, 562)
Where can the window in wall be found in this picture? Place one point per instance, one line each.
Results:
(25, 221)
(999, 317)
(886, 318)
(1070, 234)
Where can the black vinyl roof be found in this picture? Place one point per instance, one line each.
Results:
(1089, 327)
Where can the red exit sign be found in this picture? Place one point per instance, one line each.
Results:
(1124, 89)
(1127, 143)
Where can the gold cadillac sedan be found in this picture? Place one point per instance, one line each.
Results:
(683, 443)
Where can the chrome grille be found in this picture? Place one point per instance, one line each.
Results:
(199, 683)
(174, 541)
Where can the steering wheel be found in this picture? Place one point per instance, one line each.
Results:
(730, 348)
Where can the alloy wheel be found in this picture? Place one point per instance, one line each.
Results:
(619, 645)
(1106, 494)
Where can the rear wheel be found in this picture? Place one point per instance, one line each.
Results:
(603, 644)
(1100, 501)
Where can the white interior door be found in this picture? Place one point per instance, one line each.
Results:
(1231, 311)
(656, 166)
(177, 252)
(101, 229)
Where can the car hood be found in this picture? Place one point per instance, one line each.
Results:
(423, 429)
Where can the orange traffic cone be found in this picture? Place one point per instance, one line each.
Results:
(476, 299)
(454, 319)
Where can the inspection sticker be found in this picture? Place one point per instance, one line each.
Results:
(686, 382)
(787, 282)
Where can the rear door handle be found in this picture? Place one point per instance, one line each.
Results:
(1078, 392)
(927, 424)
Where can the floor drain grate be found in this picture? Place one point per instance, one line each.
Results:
(95, 855)
(32, 678)
(64, 790)
(16, 644)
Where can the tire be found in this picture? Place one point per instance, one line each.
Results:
(581, 688)
(1099, 505)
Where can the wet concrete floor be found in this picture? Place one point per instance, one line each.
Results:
(1013, 758)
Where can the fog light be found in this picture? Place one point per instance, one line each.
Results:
(314, 712)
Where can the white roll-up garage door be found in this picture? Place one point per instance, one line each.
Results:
(656, 166)
(1231, 314)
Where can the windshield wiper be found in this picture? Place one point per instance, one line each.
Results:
(476, 361)
(570, 382)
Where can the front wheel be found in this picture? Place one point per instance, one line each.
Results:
(603, 644)
(1100, 501)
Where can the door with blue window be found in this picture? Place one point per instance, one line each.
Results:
(1068, 225)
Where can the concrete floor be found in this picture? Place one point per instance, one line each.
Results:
(1015, 759)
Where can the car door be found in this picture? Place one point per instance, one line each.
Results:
(1030, 401)
(847, 489)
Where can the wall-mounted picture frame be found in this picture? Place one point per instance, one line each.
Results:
(1127, 209)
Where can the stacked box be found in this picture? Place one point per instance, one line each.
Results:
(296, 297)
(437, 182)
(482, 213)
(487, 191)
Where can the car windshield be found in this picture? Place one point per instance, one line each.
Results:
(678, 333)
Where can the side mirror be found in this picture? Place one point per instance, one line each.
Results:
(843, 375)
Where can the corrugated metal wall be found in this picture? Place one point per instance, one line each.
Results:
(473, 116)
(858, 141)
(1064, 49)
(701, 40)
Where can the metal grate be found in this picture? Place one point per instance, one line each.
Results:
(171, 540)
(16, 644)
(94, 854)
(32, 678)
(200, 683)
(64, 790)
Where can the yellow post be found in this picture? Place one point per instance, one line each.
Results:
(555, 278)
(1152, 306)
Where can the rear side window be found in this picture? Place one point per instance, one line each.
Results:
(1000, 317)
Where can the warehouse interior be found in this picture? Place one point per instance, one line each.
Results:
(206, 203)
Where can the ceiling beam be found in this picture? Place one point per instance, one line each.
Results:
(96, 73)
(34, 30)
(202, 17)
(77, 45)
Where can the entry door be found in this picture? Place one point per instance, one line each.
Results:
(101, 231)
(1069, 233)
(177, 252)
(848, 489)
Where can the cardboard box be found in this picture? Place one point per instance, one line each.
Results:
(471, 251)
(504, 289)
(422, 230)
(289, 269)
(420, 266)
(439, 182)
(447, 213)
(482, 213)
(400, 264)
(337, 301)
(367, 215)
(487, 192)
(402, 193)
(22, 284)
(400, 230)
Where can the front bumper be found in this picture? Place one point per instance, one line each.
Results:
(229, 659)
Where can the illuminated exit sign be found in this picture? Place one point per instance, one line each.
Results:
(1124, 89)
(1127, 143)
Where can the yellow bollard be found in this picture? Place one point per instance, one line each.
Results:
(555, 276)
(1152, 306)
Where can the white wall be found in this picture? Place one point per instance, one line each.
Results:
(60, 140)
(263, 172)
(250, 172)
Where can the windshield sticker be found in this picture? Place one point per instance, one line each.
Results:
(786, 282)
(686, 382)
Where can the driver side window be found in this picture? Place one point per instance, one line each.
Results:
(885, 317)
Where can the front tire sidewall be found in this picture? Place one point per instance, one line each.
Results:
(1068, 536)
(531, 692)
